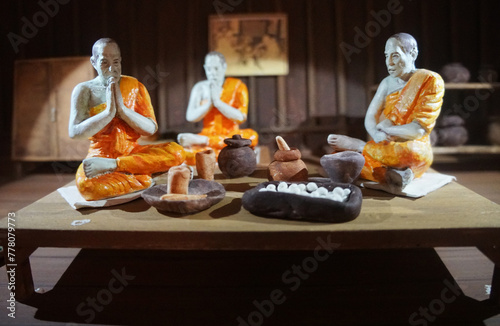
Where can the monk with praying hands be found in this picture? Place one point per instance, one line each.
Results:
(222, 103)
(113, 111)
(399, 119)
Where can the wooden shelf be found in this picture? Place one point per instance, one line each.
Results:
(467, 149)
(462, 86)
(458, 86)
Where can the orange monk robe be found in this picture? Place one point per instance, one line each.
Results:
(118, 140)
(420, 100)
(217, 127)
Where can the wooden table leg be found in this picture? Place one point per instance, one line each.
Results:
(495, 285)
(19, 272)
(493, 253)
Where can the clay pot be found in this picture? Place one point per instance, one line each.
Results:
(455, 73)
(237, 159)
(343, 167)
(450, 131)
(494, 132)
(451, 121)
(287, 166)
(452, 136)
(434, 137)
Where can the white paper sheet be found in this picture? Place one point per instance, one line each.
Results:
(419, 187)
(76, 201)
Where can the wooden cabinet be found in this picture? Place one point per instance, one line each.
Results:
(42, 96)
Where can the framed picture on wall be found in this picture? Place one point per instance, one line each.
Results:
(253, 44)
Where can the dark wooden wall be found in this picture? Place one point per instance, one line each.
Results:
(324, 91)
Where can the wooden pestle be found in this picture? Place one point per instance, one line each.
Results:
(282, 145)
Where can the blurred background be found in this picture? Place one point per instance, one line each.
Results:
(335, 54)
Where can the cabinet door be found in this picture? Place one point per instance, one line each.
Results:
(67, 73)
(33, 112)
(42, 99)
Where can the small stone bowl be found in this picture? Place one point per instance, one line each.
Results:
(343, 167)
(215, 193)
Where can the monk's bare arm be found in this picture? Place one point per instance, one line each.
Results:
(374, 108)
(81, 124)
(410, 131)
(227, 110)
(198, 105)
(143, 125)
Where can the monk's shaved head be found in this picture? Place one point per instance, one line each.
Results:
(408, 42)
(101, 43)
(218, 55)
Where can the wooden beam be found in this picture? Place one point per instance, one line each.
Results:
(370, 71)
(341, 80)
(311, 74)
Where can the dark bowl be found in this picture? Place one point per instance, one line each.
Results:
(298, 207)
(215, 193)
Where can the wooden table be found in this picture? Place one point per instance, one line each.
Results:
(451, 216)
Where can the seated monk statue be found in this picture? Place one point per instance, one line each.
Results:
(399, 119)
(222, 103)
(113, 111)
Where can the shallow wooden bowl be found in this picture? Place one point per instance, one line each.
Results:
(298, 207)
(215, 193)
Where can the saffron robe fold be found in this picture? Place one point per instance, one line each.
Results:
(419, 101)
(136, 163)
(217, 127)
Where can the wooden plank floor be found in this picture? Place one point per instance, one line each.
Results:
(387, 287)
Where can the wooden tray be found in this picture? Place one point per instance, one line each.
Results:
(299, 207)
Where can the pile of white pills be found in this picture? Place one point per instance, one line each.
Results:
(311, 190)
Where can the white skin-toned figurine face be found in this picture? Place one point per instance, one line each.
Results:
(107, 62)
(215, 69)
(399, 64)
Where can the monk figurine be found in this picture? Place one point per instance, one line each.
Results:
(222, 103)
(399, 119)
(113, 111)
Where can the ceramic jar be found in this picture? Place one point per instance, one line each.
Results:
(237, 159)
(205, 164)
(494, 131)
